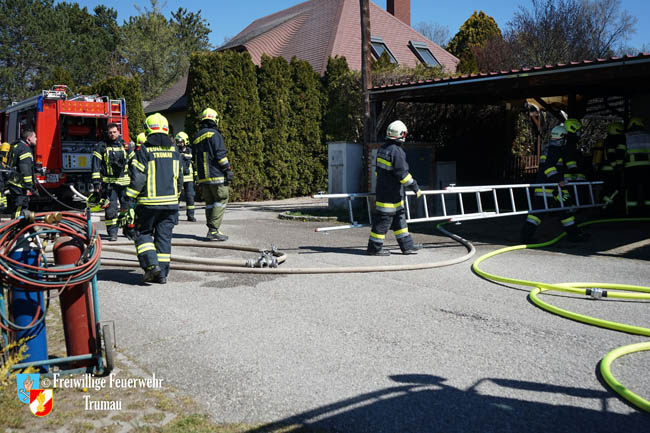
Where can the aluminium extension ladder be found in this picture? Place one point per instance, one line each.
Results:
(477, 202)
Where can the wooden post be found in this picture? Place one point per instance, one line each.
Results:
(366, 83)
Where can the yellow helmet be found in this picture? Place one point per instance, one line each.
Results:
(156, 124)
(182, 136)
(141, 139)
(572, 125)
(210, 114)
(635, 122)
(615, 128)
(4, 150)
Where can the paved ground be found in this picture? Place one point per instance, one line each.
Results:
(420, 351)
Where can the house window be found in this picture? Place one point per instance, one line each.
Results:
(424, 53)
(379, 47)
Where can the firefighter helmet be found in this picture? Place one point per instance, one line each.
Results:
(635, 122)
(558, 132)
(141, 139)
(182, 136)
(572, 125)
(210, 114)
(156, 124)
(4, 153)
(615, 128)
(397, 131)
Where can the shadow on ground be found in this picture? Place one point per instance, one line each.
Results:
(424, 403)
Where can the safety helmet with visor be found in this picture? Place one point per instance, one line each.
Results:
(156, 124)
(397, 131)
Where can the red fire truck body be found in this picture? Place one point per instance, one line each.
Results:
(67, 130)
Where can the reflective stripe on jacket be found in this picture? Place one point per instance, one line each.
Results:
(209, 156)
(22, 161)
(110, 163)
(392, 176)
(155, 173)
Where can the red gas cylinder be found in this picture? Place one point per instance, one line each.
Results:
(76, 305)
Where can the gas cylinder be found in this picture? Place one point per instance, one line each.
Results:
(76, 305)
(24, 305)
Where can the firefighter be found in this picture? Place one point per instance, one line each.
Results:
(575, 170)
(140, 140)
(4, 155)
(637, 168)
(611, 167)
(21, 181)
(213, 172)
(155, 184)
(188, 174)
(392, 178)
(110, 176)
(553, 170)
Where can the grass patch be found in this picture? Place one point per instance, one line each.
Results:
(125, 416)
(153, 418)
(13, 413)
(82, 427)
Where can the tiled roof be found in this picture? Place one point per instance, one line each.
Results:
(172, 99)
(313, 31)
(520, 72)
(318, 29)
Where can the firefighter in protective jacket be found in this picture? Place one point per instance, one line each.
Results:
(110, 176)
(155, 185)
(213, 172)
(188, 173)
(21, 181)
(552, 169)
(392, 177)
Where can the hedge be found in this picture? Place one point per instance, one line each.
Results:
(227, 82)
(129, 89)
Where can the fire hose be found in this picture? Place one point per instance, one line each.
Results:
(265, 264)
(39, 229)
(594, 290)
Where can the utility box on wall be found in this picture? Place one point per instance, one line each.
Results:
(344, 162)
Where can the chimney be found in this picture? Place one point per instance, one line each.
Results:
(401, 9)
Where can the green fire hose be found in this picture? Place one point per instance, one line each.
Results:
(595, 290)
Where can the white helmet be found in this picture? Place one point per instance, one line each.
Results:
(558, 132)
(397, 131)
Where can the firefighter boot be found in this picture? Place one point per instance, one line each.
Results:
(216, 236)
(574, 234)
(381, 252)
(152, 273)
(413, 250)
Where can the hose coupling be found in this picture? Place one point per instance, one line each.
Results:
(265, 260)
(595, 293)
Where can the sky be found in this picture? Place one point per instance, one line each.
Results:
(229, 17)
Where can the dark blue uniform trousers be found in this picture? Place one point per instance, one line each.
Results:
(154, 237)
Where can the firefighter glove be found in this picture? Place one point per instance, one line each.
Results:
(126, 217)
(418, 193)
(229, 176)
(563, 197)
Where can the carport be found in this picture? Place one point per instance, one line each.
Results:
(614, 87)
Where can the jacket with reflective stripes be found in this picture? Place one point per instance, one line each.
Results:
(575, 171)
(638, 149)
(209, 155)
(110, 163)
(392, 176)
(155, 173)
(188, 171)
(21, 160)
(614, 152)
(551, 166)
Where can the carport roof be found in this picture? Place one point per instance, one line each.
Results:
(616, 76)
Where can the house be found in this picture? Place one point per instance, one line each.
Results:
(318, 29)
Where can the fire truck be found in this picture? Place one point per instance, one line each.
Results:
(67, 127)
